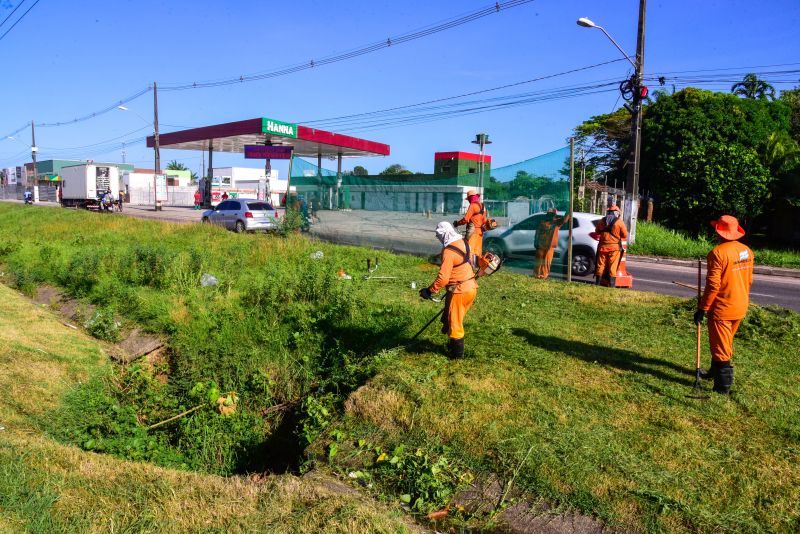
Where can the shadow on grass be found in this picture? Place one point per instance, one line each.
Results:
(625, 360)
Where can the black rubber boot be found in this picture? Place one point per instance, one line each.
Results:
(724, 378)
(712, 371)
(456, 347)
(597, 280)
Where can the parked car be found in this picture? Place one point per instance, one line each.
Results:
(243, 215)
(519, 241)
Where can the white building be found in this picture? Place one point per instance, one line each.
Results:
(142, 179)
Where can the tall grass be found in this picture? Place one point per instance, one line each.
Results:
(652, 239)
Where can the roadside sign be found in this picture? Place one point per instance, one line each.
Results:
(267, 152)
(161, 187)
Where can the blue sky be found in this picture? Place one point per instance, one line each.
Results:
(65, 59)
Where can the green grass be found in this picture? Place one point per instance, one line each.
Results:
(576, 393)
(48, 487)
(652, 239)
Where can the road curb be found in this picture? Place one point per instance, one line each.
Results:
(758, 269)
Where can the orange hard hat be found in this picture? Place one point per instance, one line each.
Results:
(613, 207)
(728, 227)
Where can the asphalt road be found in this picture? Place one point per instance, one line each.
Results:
(413, 234)
(659, 278)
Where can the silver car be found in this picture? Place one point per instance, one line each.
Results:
(519, 241)
(243, 215)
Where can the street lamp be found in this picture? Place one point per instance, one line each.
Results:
(638, 93)
(588, 23)
(481, 139)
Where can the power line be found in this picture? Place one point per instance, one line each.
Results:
(367, 49)
(331, 119)
(12, 13)
(19, 19)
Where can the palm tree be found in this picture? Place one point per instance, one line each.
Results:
(752, 87)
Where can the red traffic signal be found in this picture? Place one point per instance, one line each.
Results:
(643, 93)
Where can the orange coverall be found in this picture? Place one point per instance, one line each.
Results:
(727, 295)
(462, 288)
(609, 250)
(546, 243)
(477, 219)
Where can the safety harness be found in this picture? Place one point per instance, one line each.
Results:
(466, 256)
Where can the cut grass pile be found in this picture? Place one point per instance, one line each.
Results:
(46, 486)
(572, 394)
(652, 239)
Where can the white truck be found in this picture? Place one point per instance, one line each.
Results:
(84, 185)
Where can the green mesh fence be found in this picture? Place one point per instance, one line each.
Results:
(511, 191)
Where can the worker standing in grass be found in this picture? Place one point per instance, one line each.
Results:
(547, 241)
(726, 298)
(475, 219)
(457, 275)
(612, 232)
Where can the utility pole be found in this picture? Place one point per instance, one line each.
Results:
(571, 200)
(155, 145)
(34, 150)
(632, 179)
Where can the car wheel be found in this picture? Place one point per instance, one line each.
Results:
(496, 247)
(239, 227)
(206, 220)
(582, 263)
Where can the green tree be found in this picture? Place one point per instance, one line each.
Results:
(495, 189)
(603, 141)
(753, 87)
(174, 165)
(791, 98)
(394, 169)
(704, 182)
(526, 185)
(358, 170)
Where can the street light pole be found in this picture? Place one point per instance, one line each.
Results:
(155, 145)
(481, 139)
(34, 150)
(631, 207)
(632, 180)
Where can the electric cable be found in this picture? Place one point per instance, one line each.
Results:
(19, 19)
(12, 13)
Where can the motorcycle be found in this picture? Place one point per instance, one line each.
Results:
(29, 199)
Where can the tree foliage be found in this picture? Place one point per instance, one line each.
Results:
(358, 170)
(792, 99)
(175, 165)
(754, 88)
(394, 169)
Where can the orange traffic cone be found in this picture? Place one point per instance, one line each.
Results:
(624, 278)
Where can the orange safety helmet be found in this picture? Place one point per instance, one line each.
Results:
(728, 228)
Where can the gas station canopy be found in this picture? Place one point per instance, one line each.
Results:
(234, 136)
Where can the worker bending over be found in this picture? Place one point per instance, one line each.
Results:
(457, 275)
(475, 219)
(612, 232)
(547, 241)
(726, 298)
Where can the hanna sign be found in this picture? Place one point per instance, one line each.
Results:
(267, 152)
(284, 129)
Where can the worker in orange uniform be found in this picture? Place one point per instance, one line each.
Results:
(458, 276)
(726, 298)
(475, 219)
(612, 233)
(547, 241)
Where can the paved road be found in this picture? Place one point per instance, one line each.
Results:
(659, 278)
(413, 233)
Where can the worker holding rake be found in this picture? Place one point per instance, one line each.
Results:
(475, 219)
(458, 276)
(547, 241)
(726, 298)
